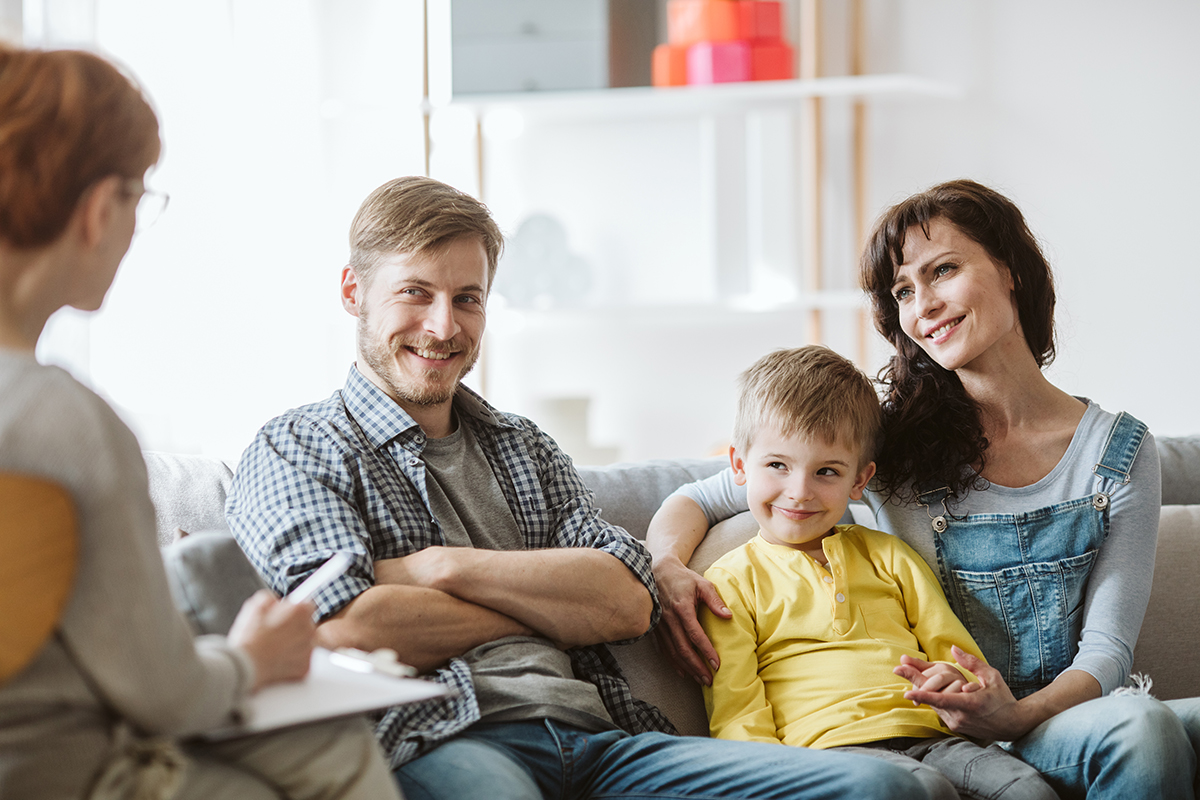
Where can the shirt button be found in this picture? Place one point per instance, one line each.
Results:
(841, 598)
(412, 462)
(827, 579)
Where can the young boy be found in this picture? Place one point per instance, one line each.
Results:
(822, 612)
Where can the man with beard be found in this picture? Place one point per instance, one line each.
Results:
(477, 553)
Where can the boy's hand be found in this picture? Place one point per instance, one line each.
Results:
(928, 676)
(984, 710)
(679, 632)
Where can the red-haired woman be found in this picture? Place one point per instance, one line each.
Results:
(1038, 510)
(100, 710)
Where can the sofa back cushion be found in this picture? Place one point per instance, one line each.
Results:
(188, 493)
(1180, 459)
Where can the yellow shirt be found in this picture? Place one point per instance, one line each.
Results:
(851, 623)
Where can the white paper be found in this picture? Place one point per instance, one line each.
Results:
(327, 691)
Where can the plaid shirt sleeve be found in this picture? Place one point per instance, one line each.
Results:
(296, 499)
(291, 507)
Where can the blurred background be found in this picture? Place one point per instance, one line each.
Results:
(659, 240)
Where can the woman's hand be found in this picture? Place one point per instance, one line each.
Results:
(679, 632)
(984, 710)
(279, 637)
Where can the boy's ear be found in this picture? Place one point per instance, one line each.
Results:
(739, 466)
(861, 480)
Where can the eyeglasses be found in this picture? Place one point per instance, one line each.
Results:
(151, 203)
(150, 207)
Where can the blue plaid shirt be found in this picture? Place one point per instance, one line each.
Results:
(347, 475)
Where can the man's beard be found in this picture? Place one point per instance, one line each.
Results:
(380, 357)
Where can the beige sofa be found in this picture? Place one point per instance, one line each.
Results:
(210, 577)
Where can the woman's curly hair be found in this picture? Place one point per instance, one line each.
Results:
(932, 431)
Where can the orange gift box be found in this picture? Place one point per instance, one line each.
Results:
(668, 66)
(691, 21)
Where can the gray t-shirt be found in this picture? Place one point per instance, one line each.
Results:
(1119, 587)
(517, 677)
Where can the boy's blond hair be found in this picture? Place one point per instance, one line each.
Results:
(808, 391)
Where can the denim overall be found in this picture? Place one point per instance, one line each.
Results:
(1017, 581)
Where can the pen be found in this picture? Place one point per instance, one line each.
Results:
(326, 574)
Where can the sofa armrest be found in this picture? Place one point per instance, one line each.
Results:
(210, 577)
(1172, 624)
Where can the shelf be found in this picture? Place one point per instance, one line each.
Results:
(737, 308)
(642, 102)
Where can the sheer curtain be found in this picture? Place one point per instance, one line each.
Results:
(278, 117)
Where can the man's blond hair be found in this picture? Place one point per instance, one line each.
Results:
(418, 215)
(812, 392)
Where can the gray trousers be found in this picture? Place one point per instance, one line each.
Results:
(952, 767)
(330, 760)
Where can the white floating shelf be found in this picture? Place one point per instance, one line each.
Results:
(741, 308)
(649, 101)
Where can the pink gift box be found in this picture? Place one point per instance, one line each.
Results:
(718, 62)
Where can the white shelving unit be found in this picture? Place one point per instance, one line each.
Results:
(725, 110)
(648, 103)
(759, 189)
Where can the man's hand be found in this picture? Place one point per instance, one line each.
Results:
(986, 710)
(679, 632)
(278, 637)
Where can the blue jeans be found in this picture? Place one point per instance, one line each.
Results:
(537, 759)
(1117, 747)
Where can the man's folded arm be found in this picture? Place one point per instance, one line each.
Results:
(572, 595)
(424, 626)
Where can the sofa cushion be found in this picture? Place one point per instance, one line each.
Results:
(629, 494)
(650, 674)
(1180, 457)
(1172, 625)
(210, 578)
(188, 493)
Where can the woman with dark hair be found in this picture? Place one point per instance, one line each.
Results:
(102, 708)
(1037, 509)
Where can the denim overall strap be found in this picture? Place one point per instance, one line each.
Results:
(1124, 440)
(1018, 581)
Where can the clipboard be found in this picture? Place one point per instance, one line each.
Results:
(328, 691)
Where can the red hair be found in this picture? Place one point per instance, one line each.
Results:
(67, 119)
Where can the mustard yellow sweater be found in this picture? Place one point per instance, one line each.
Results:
(807, 658)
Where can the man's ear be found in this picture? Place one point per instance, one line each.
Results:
(861, 480)
(352, 291)
(739, 466)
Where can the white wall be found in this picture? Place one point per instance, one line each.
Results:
(226, 313)
(1085, 113)
(278, 117)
